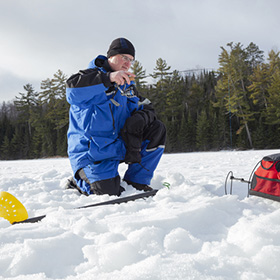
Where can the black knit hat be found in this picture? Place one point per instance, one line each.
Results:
(121, 46)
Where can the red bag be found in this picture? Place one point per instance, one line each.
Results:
(266, 179)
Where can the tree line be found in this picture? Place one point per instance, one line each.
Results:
(235, 107)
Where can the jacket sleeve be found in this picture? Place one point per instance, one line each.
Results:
(146, 109)
(88, 85)
(141, 118)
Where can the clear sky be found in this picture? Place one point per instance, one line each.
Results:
(38, 37)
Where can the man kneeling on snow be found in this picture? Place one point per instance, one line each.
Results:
(110, 123)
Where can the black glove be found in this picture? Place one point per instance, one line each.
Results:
(133, 147)
(132, 157)
(135, 124)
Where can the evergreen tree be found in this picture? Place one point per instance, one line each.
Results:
(25, 106)
(6, 148)
(235, 68)
(161, 71)
(140, 74)
(17, 144)
(55, 115)
(254, 57)
(260, 79)
(174, 108)
(175, 98)
(273, 61)
(62, 113)
(202, 132)
(161, 74)
(186, 136)
(182, 135)
(195, 99)
(258, 136)
(273, 108)
(4, 122)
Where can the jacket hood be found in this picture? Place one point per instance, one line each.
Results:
(100, 61)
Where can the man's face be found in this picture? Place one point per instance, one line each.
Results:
(121, 62)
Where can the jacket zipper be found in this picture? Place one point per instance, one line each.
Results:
(110, 105)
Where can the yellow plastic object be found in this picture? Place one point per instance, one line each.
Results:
(11, 208)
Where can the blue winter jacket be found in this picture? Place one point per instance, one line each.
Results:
(97, 114)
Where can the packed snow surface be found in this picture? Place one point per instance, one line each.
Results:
(191, 230)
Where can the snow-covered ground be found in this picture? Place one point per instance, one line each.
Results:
(190, 231)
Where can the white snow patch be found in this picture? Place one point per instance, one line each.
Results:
(189, 230)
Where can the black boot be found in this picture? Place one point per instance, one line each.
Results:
(71, 184)
(139, 187)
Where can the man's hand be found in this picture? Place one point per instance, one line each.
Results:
(121, 77)
(135, 124)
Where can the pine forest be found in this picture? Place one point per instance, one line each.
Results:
(236, 106)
